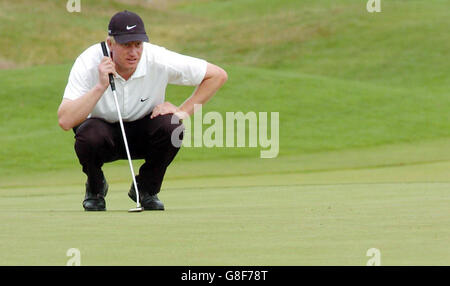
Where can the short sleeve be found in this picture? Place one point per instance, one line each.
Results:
(184, 70)
(78, 83)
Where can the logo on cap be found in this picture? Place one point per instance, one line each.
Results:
(126, 27)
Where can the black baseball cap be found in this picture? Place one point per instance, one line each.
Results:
(126, 27)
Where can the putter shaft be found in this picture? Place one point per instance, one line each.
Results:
(113, 88)
(138, 204)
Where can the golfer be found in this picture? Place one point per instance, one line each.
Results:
(141, 73)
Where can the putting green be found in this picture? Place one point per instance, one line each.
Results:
(364, 137)
(322, 217)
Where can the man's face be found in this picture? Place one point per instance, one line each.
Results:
(126, 56)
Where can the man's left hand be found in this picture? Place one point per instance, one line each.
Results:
(163, 109)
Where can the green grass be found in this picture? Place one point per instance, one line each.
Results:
(298, 218)
(324, 114)
(404, 45)
(364, 137)
(325, 208)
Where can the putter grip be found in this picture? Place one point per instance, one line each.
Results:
(111, 78)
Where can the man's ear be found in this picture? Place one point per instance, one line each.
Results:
(109, 43)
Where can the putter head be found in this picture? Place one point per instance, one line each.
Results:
(136, 210)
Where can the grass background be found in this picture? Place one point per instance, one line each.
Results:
(364, 129)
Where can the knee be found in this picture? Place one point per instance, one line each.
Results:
(89, 136)
(171, 126)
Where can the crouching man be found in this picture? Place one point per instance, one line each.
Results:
(141, 72)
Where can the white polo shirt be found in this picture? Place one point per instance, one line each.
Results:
(144, 90)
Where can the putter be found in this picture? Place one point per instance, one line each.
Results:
(113, 88)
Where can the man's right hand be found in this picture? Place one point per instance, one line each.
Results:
(105, 67)
(73, 112)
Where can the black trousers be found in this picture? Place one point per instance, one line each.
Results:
(98, 142)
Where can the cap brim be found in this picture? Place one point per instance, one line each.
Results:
(122, 39)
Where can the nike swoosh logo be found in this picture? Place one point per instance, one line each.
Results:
(129, 28)
(143, 99)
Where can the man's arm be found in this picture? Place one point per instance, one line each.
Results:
(214, 78)
(73, 112)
